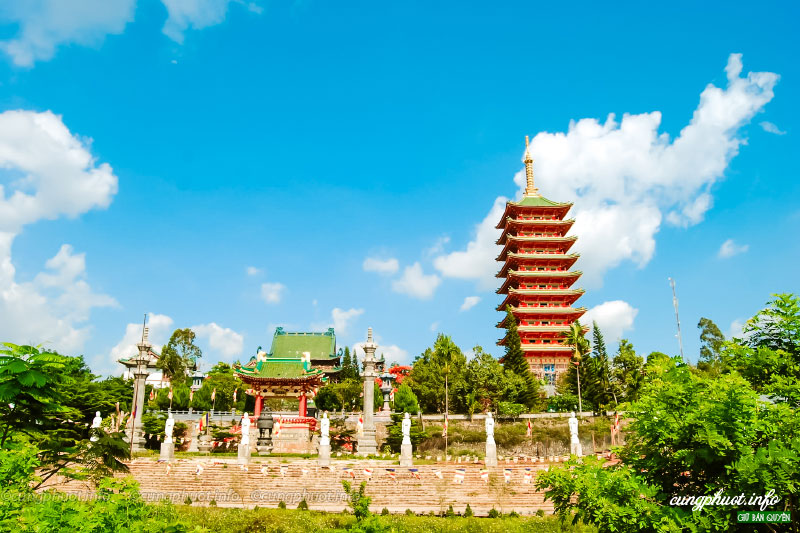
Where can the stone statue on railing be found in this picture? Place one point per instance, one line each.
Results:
(491, 447)
(324, 430)
(169, 426)
(574, 442)
(405, 447)
(168, 446)
(245, 429)
(324, 451)
(244, 444)
(96, 426)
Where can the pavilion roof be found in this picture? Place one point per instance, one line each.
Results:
(291, 344)
(277, 368)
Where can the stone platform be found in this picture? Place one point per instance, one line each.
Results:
(229, 485)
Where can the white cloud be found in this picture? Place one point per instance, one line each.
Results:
(390, 352)
(45, 173)
(613, 318)
(382, 266)
(625, 178)
(438, 246)
(46, 24)
(253, 271)
(225, 341)
(415, 283)
(160, 330)
(736, 329)
(434, 326)
(769, 127)
(341, 320)
(478, 260)
(197, 14)
(469, 303)
(272, 292)
(730, 248)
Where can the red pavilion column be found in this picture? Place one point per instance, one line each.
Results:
(259, 401)
(303, 404)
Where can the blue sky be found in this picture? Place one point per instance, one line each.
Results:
(234, 165)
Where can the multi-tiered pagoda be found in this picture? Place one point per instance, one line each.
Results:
(537, 280)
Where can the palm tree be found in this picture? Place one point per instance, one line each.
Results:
(575, 338)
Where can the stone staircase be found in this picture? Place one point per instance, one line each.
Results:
(225, 482)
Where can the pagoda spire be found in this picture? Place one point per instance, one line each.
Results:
(530, 190)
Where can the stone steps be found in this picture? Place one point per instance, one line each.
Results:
(228, 485)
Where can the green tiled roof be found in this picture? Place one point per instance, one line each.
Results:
(276, 368)
(293, 344)
(539, 201)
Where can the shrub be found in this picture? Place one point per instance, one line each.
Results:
(510, 409)
(409, 512)
(303, 505)
(359, 501)
(468, 511)
(281, 504)
(384, 511)
(450, 513)
(187, 501)
(540, 513)
(494, 513)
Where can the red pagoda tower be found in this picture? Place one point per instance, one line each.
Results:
(537, 280)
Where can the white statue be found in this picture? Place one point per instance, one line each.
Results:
(245, 430)
(96, 425)
(489, 426)
(324, 429)
(168, 427)
(574, 442)
(406, 427)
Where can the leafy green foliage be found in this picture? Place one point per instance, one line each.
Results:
(628, 371)
(427, 377)
(698, 433)
(515, 362)
(30, 381)
(358, 499)
(394, 437)
(711, 341)
(180, 354)
(405, 401)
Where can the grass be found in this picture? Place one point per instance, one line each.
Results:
(211, 519)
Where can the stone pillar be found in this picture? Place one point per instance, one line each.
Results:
(139, 380)
(366, 443)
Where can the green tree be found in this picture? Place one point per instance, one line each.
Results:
(349, 365)
(777, 326)
(405, 401)
(515, 361)
(485, 383)
(179, 355)
(583, 369)
(711, 341)
(427, 377)
(602, 394)
(628, 371)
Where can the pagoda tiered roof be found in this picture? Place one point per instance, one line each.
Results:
(562, 244)
(568, 296)
(514, 276)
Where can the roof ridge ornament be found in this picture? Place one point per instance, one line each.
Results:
(530, 189)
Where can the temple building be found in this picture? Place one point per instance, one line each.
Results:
(537, 280)
(321, 347)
